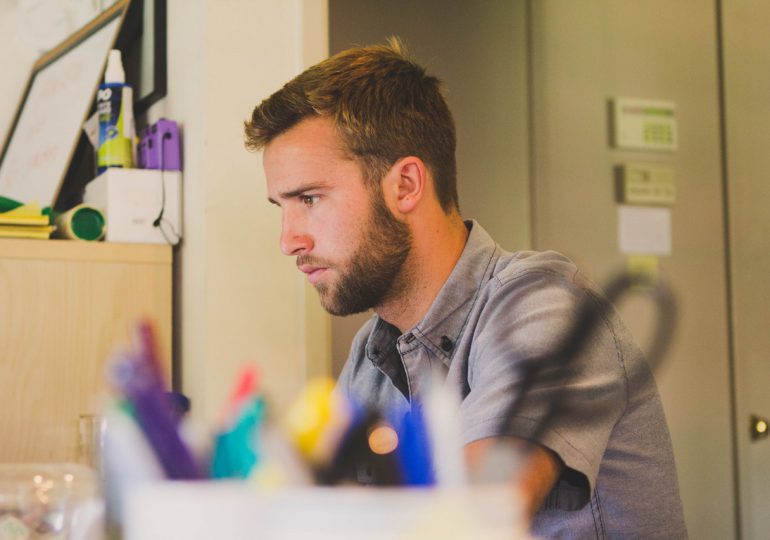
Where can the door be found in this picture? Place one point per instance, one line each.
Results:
(746, 51)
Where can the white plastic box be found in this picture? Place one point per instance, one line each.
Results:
(132, 199)
(208, 510)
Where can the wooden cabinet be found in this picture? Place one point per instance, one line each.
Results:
(64, 308)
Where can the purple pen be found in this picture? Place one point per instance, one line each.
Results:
(137, 378)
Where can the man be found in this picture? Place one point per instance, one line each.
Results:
(359, 153)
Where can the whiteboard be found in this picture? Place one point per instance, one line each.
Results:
(59, 95)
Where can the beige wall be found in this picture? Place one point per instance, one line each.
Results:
(583, 54)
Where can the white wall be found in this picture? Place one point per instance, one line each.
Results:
(238, 299)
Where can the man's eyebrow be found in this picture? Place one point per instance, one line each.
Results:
(297, 192)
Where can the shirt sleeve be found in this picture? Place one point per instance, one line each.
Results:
(523, 321)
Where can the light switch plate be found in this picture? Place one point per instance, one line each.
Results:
(646, 184)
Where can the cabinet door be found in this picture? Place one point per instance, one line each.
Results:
(747, 119)
(62, 313)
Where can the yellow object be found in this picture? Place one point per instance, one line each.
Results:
(26, 214)
(317, 419)
(644, 269)
(26, 221)
(26, 231)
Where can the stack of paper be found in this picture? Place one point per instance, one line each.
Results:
(19, 220)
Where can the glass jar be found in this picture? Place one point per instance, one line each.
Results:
(49, 501)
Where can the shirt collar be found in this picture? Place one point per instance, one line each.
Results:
(443, 324)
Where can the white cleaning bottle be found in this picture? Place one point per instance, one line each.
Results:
(114, 107)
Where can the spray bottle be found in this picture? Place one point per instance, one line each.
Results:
(114, 106)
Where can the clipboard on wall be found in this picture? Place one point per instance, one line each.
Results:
(45, 132)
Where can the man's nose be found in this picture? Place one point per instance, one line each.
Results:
(294, 239)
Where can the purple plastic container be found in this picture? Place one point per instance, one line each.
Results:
(159, 146)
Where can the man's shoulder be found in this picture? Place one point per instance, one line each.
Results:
(521, 265)
(485, 263)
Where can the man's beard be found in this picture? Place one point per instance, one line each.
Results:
(373, 274)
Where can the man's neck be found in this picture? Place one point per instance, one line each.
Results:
(435, 252)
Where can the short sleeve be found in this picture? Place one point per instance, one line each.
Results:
(524, 318)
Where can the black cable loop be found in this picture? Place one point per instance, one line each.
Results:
(590, 313)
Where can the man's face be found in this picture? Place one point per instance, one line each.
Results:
(345, 238)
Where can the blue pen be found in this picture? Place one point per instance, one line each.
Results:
(414, 449)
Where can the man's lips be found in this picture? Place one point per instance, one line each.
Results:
(313, 272)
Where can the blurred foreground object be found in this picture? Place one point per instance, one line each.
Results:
(47, 501)
(185, 510)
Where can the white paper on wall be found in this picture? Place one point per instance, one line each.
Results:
(644, 230)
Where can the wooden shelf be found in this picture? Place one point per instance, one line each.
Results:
(64, 308)
(13, 248)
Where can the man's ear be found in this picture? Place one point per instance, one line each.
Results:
(407, 183)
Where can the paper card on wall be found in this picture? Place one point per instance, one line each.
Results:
(644, 230)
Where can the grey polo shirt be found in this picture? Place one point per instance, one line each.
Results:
(496, 311)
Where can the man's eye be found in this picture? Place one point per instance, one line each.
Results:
(308, 200)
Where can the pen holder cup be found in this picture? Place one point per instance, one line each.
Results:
(190, 510)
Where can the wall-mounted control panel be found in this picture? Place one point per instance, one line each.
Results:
(643, 124)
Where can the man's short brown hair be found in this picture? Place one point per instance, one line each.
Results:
(384, 105)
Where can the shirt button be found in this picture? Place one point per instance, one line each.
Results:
(409, 338)
(446, 344)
